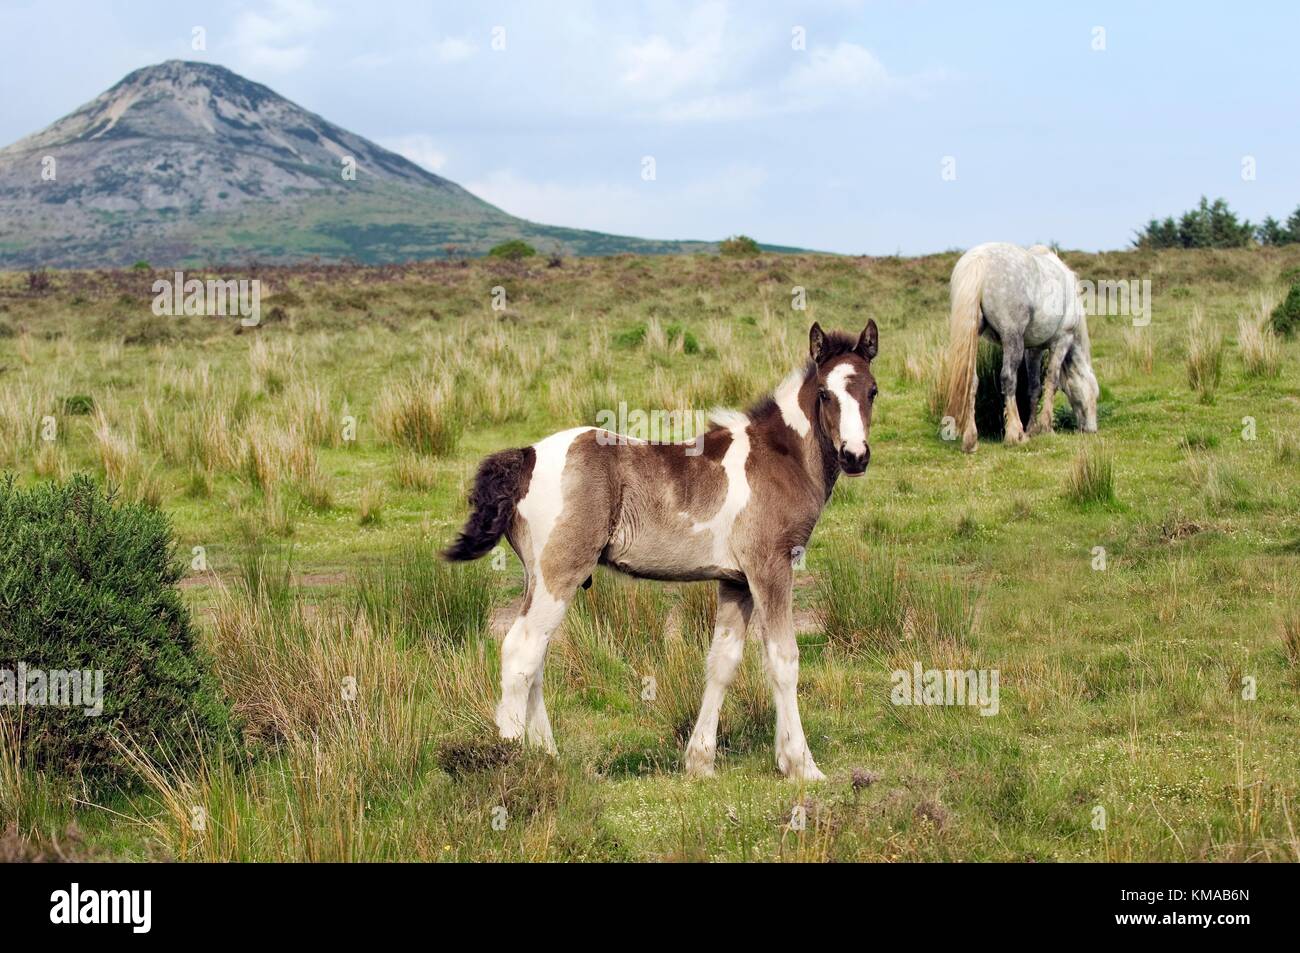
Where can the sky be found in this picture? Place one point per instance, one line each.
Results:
(852, 127)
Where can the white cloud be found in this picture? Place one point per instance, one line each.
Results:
(275, 40)
(846, 67)
(657, 209)
(452, 49)
(419, 147)
(656, 68)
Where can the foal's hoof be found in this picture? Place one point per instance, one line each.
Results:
(1038, 430)
(1016, 439)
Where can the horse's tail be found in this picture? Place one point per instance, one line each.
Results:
(964, 334)
(499, 485)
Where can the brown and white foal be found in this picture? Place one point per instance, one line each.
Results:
(738, 509)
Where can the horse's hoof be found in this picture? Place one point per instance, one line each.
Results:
(699, 763)
(807, 775)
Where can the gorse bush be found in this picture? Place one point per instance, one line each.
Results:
(988, 395)
(1286, 316)
(738, 246)
(513, 250)
(90, 587)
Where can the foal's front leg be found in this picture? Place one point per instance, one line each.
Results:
(773, 593)
(734, 607)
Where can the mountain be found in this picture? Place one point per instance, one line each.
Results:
(189, 163)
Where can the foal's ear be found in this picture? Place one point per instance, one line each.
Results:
(869, 341)
(816, 342)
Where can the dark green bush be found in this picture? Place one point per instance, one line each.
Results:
(86, 585)
(513, 250)
(1286, 316)
(988, 395)
(738, 245)
(78, 405)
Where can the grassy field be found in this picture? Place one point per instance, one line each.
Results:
(1125, 587)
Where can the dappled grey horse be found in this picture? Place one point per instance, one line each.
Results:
(739, 510)
(1028, 302)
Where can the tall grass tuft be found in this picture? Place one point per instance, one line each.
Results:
(1091, 478)
(411, 471)
(421, 416)
(1261, 350)
(1139, 351)
(1204, 356)
(868, 603)
(419, 598)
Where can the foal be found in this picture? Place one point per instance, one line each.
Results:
(736, 505)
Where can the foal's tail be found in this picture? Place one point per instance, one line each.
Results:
(963, 343)
(500, 483)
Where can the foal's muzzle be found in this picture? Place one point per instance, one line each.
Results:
(854, 464)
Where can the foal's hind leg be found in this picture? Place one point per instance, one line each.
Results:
(567, 557)
(734, 607)
(523, 653)
(1013, 352)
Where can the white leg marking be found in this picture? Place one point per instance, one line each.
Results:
(724, 658)
(522, 655)
(795, 761)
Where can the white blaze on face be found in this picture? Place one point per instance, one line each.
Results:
(852, 434)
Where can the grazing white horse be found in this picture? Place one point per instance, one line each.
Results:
(1027, 301)
(736, 510)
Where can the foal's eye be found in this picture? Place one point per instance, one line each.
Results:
(823, 395)
(874, 391)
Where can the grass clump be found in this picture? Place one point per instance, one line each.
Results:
(1204, 356)
(1091, 478)
(421, 416)
(419, 597)
(868, 602)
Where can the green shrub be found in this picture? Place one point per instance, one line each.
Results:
(78, 405)
(86, 585)
(738, 246)
(988, 395)
(1286, 316)
(513, 250)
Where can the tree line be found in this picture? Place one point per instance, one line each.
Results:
(1215, 225)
